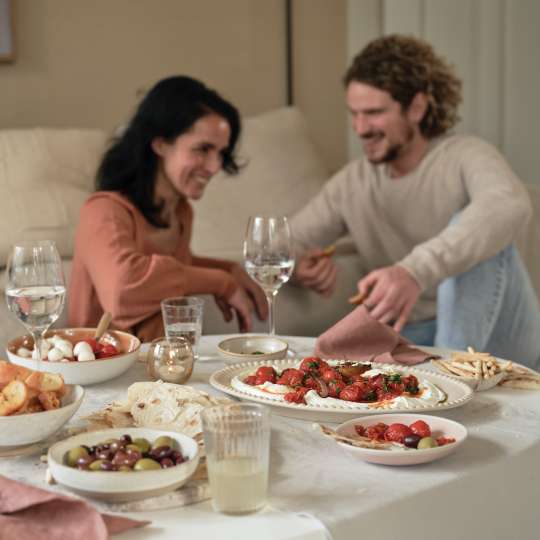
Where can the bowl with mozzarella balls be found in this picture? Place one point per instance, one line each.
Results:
(76, 355)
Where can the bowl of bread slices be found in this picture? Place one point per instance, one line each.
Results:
(33, 404)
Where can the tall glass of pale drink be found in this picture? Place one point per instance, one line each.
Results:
(237, 441)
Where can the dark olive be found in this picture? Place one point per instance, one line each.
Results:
(107, 466)
(126, 438)
(411, 441)
(166, 463)
(84, 461)
(104, 454)
(160, 452)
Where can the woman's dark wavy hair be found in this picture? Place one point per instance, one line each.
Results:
(170, 109)
(405, 65)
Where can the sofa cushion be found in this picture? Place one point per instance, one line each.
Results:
(45, 176)
(283, 171)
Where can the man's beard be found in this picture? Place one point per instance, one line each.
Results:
(394, 151)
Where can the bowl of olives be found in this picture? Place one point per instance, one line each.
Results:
(408, 439)
(124, 464)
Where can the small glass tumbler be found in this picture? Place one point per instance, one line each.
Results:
(170, 359)
(182, 316)
(237, 443)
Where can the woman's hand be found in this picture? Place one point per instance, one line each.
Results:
(254, 292)
(316, 271)
(238, 304)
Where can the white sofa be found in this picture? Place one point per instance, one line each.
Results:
(46, 174)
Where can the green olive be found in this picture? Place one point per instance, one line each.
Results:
(426, 442)
(142, 444)
(124, 468)
(146, 464)
(96, 465)
(164, 440)
(74, 454)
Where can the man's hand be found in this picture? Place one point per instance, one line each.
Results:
(253, 290)
(316, 271)
(390, 293)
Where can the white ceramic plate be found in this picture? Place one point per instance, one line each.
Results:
(242, 348)
(123, 486)
(22, 429)
(84, 373)
(457, 393)
(440, 427)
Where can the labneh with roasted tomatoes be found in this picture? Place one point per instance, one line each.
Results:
(357, 385)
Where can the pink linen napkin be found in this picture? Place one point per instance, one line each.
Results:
(358, 336)
(30, 512)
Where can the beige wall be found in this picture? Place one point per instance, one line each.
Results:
(320, 45)
(81, 63)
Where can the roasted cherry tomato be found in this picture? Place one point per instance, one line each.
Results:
(441, 441)
(250, 379)
(291, 377)
(335, 387)
(313, 363)
(420, 428)
(265, 374)
(397, 432)
(351, 393)
(360, 430)
(93, 343)
(376, 431)
(106, 350)
(297, 396)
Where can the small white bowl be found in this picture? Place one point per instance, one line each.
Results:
(23, 429)
(440, 427)
(242, 348)
(122, 486)
(85, 373)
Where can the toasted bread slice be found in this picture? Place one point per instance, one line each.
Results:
(13, 397)
(45, 382)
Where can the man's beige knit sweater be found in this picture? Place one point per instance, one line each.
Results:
(405, 220)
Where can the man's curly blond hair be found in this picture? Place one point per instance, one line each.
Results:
(403, 66)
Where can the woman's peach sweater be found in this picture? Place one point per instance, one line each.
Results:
(117, 267)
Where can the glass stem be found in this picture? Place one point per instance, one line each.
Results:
(38, 340)
(270, 296)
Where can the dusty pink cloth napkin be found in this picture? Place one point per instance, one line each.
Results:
(358, 336)
(29, 512)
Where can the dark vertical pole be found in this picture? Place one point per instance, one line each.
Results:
(289, 51)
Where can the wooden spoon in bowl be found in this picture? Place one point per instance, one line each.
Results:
(102, 325)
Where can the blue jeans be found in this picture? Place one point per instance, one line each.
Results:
(492, 307)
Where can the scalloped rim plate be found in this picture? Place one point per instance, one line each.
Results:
(458, 393)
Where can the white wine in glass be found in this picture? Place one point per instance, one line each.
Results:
(35, 290)
(269, 257)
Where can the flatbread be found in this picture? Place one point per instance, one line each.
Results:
(158, 405)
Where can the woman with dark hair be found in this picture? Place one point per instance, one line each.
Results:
(132, 242)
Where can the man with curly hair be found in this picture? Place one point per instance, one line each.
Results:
(433, 214)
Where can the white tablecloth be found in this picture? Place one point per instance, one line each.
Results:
(489, 488)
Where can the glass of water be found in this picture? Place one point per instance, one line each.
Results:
(237, 444)
(269, 257)
(182, 317)
(35, 288)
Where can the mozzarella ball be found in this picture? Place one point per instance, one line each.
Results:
(55, 355)
(80, 347)
(65, 346)
(24, 352)
(85, 356)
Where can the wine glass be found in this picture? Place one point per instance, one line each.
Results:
(35, 289)
(269, 257)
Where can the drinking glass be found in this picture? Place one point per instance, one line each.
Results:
(237, 444)
(170, 359)
(35, 289)
(182, 317)
(269, 257)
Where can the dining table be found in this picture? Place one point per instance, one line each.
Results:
(489, 488)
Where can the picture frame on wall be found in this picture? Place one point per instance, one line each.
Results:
(7, 42)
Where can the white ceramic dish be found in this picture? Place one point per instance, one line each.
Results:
(84, 373)
(440, 427)
(457, 393)
(23, 429)
(122, 486)
(242, 348)
(478, 385)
